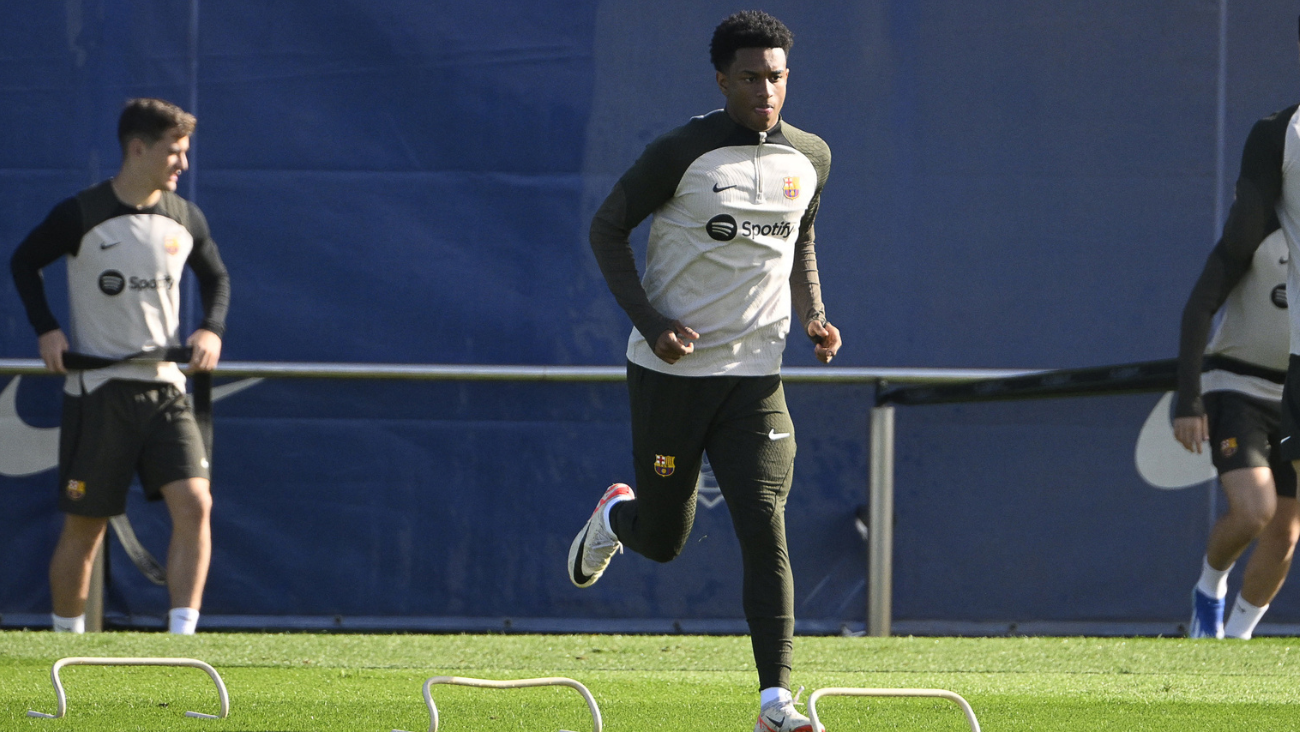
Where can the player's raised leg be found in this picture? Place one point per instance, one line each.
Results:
(670, 418)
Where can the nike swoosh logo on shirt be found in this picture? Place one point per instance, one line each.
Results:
(107, 244)
(716, 189)
(773, 435)
(1284, 439)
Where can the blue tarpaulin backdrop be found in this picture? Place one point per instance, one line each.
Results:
(1015, 185)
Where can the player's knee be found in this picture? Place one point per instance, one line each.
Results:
(1256, 518)
(189, 501)
(761, 529)
(1290, 534)
(1283, 534)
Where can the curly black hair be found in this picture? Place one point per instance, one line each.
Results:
(747, 29)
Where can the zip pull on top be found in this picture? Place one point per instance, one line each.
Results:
(758, 168)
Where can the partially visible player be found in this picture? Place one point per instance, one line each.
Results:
(1236, 403)
(1267, 196)
(734, 194)
(127, 241)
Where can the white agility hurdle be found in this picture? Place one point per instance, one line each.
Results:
(939, 693)
(515, 684)
(92, 661)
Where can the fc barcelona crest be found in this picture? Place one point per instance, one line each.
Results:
(1228, 447)
(790, 187)
(76, 490)
(664, 465)
(172, 245)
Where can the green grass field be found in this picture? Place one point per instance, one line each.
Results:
(288, 683)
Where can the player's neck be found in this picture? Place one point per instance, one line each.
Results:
(134, 190)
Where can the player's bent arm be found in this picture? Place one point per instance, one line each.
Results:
(650, 182)
(805, 282)
(58, 235)
(1250, 220)
(210, 271)
(613, 251)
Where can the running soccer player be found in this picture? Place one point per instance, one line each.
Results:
(127, 241)
(1267, 197)
(1241, 376)
(734, 194)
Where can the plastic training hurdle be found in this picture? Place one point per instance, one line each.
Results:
(510, 684)
(935, 693)
(93, 661)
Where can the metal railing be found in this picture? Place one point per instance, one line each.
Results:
(473, 372)
(880, 490)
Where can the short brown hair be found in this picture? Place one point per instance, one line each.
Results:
(150, 119)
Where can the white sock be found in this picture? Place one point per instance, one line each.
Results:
(1245, 616)
(182, 620)
(773, 694)
(1214, 582)
(609, 526)
(69, 625)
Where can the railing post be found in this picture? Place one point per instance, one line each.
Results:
(880, 532)
(95, 600)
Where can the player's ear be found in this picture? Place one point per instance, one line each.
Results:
(722, 81)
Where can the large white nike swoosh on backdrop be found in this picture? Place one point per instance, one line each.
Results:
(1161, 460)
(27, 450)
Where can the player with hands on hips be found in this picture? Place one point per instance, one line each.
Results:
(126, 242)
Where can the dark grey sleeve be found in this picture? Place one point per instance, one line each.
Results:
(58, 235)
(646, 186)
(1250, 220)
(805, 284)
(210, 271)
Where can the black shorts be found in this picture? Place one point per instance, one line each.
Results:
(1290, 443)
(1245, 433)
(118, 431)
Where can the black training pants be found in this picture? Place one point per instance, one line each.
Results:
(744, 426)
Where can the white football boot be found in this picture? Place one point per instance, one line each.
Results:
(782, 717)
(595, 545)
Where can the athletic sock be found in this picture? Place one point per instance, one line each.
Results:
(1214, 582)
(1245, 616)
(609, 522)
(69, 625)
(773, 694)
(182, 620)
